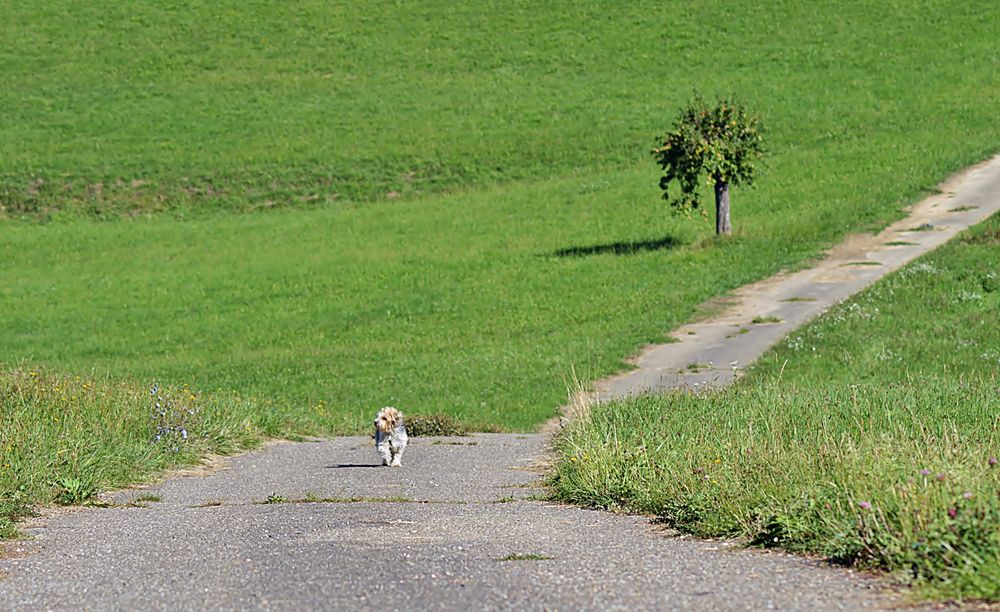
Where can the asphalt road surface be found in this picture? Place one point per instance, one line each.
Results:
(455, 528)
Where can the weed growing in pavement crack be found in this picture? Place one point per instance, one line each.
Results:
(312, 498)
(74, 491)
(525, 557)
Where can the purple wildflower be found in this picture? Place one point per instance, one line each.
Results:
(952, 512)
(941, 476)
(992, 461)
(967, 495)
(865, 505)
(925, 472)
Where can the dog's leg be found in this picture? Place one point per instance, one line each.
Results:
(383, 447)
(397, 454)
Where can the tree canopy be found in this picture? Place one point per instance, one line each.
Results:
(721, 142)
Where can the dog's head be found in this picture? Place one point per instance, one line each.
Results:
(387, 419)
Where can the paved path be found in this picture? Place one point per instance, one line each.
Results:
(434, 534)
(210, 544)
(966, 199)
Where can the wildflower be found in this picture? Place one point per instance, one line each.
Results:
(967, 495)
(941, 476)
(992, 461)
(865, 505)
(925, 472)
(952, 512)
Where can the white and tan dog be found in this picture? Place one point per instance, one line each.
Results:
(390, 436)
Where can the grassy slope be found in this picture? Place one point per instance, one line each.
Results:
(441, 313)
(436, 302)
(875, 448)
(241, 104)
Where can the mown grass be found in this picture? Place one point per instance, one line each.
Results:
(65, 438)
(870, 437)
(190, 106)
(938, 316)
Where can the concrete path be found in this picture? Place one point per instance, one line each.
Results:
(706, 352)
(446, 530)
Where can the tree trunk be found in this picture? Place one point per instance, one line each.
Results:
(722, 207)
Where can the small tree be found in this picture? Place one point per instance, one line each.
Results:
(722, 142)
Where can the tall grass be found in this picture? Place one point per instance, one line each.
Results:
(890, 477)
(65, 438)
(871, 436)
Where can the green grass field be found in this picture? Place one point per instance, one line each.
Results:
(870, 436)
(462, 214)
(510, 135)
(196, 105)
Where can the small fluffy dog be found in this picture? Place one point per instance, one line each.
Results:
(390, 436)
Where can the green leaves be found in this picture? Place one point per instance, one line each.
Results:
(716, 143)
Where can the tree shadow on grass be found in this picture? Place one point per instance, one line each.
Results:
(621, 248)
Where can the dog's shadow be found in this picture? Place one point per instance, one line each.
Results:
(353, 465)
